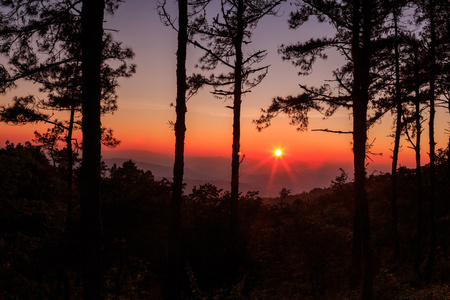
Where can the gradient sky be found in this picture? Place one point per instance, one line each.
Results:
(141, 121)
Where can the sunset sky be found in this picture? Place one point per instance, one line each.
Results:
(141, 121)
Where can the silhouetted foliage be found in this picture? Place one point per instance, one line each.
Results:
(31, 221)
(361, 38)
(290, 247)
(295, 247)
(224, 39)
(135, 231)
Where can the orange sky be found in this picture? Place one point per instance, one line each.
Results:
(144, 100)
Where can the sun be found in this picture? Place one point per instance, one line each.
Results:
(278, 152)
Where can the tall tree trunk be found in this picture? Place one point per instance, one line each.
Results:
(398, 131)
(69, 149)
(433, 229)
(70, 165)
(235, 161)
(418, 255)
(357, 238)
(175, 260)
(362, 116)
(361, 57)
(447, 201)
(91, 48)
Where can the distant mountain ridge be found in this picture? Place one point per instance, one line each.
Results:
(298, 177)
(157, 170)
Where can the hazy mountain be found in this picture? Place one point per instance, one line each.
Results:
(159, 171)
(140, 155)
(268, 178)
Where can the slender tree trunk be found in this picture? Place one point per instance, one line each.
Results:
(357, 238)
(235, 161)
(361, 56)
(418, 255)
(447, 201)
(70, 166)
(175, 261)
(91, 46)
(362, 116)
(359, 139)
(360, 161)
(433, 229)
(398, 131)
(64, 273)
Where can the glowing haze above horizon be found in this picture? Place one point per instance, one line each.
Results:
(142, 120)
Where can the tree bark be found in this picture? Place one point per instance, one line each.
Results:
(418, 255)
(91, 47)
(235, 160)
(357, 243)
(432, 56)
(362, 115)
(175, 261)
(398, 131)
(361, 56)
(70, 165)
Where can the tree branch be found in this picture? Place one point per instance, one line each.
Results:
(333, 131)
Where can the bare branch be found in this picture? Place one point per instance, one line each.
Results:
(333, 131)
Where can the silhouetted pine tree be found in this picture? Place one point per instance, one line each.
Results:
(56, 29)
(362, 40)
(175, 259)
(417, 148)
(90, 174)
(176, 264)
(430, 12)
(398, 128)
(433, 16)
(62, 83)
(226, 36)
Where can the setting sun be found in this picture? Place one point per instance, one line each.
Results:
(278, 152)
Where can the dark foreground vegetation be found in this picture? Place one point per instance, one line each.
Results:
(291, 247)
(125, 235)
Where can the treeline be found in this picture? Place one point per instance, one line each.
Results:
(292, 247)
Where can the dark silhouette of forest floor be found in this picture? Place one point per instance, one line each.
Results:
(290, 247)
